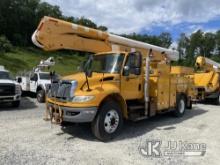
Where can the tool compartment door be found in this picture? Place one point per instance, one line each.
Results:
(163, 87)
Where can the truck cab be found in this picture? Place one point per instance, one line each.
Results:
(10, 90)
(39, 82)
(36, 82)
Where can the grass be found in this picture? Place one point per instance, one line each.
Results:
(24, 59)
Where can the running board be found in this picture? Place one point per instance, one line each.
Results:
(136, 107)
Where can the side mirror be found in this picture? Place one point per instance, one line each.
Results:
(126, 71)
(19, 80)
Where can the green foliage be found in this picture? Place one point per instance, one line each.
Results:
(163, 40)
(19, 19)
(5, 45)
(103, 28)
(21, 60)
(199, 43)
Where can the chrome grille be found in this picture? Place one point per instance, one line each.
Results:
(7, 89)
(61, 90)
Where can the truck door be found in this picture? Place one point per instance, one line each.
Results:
(33, 82)
(131, 81)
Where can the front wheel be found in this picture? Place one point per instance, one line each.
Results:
(108, 121)
(180, 106)
(41, 96)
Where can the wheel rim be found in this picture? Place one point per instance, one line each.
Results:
(111, 121)
(181, 106)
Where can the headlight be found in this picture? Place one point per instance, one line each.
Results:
(18, 89)
(81, 99)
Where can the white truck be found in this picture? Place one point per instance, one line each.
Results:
(10, 90)
(37, 81)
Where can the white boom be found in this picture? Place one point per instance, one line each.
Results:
(211, 62)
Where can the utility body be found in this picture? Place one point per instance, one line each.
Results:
(10, 90)
(207, 79)
(37, 81)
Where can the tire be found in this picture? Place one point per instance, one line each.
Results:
(15, 104)
(180, 106)
(190, 105)
(217, 100)
(108, 121)
(41, 96)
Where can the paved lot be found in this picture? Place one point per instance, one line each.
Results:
(26, 139)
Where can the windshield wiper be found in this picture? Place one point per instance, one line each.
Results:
(87, 70)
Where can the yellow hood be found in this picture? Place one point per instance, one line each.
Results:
(94, 81)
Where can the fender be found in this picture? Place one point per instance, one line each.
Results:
(40, 86)
(113, 93)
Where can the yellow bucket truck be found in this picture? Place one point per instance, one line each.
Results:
(207, 79)
(124, 79)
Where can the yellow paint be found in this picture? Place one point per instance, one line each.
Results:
(207, 77)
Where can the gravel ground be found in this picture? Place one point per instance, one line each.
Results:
(27, 139)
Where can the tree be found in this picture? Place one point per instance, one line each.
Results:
(183, 45)
(5, 45)
(209, 44)
(165, 39)
(103, 28)
(217, 40)
(86, 22)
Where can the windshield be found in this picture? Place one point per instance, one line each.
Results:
(44, 76)
(4, 75)
(107, 63)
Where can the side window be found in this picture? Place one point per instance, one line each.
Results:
(134, 62)
(34, 77)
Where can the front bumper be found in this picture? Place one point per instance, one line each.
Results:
(10, 98)
(73, 114)
(212, 95)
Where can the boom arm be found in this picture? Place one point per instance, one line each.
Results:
(206, 64)
(54, 34)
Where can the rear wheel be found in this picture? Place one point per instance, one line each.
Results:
(190, 105)
(108, 121)
(180, 106)
(15, 104)
(41, 96)
(217, 100)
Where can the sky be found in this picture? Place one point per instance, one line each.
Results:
(147, 16)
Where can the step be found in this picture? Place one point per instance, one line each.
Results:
(137, 117)
(136, 107)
